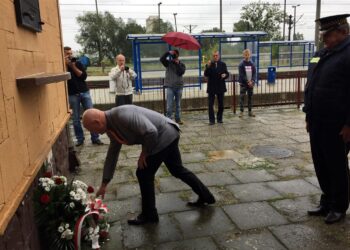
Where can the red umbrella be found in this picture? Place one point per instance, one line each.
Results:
(181, 40)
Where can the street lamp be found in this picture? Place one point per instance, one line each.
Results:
(175, 21)
(159, 16)
(294, 22)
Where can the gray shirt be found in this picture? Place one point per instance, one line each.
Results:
(137, 125)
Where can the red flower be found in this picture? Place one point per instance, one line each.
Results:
(45, 198)
(48, 174)
(90, 189)
(58, 181)
(104, 235)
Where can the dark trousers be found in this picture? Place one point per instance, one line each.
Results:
(211, 100)
(123, 99)
(329, 154)
(243, 91)
(172, 158)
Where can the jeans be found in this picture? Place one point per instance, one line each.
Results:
(171, 94)
(211, 100)
(74, 102)
(243, 91)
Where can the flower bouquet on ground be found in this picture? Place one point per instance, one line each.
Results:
(67, 213)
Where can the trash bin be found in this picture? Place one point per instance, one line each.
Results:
(271, 74)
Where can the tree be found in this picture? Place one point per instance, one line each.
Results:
(164, 26)
(261, 16)
(298, 36)
(105, 35)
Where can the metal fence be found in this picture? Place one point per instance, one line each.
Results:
(287, 90)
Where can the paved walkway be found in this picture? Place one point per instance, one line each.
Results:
(259, 170)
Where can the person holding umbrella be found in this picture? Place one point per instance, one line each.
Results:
(174, 83)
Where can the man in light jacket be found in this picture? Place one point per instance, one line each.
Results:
(159, 137)
(123, 76)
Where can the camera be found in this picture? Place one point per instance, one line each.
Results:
(73, 59)
(126, 68)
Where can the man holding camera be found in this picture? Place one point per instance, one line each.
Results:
(216, 72)
(123, 76)
(78, 92)
(173, 82)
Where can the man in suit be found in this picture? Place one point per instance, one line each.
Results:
(327, 108)
(216, 72)
(159, 137)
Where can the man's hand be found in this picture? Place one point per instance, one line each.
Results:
(209, 63)
(345, 133)
(102, 191)
(122, 67)
(142, 161)
(250, 84)
(223, 75)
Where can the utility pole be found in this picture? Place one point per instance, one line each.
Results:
(175, 21)
(317, 28)
(189, 27)
(159, 16)
(99, 35)
(290, 22)
(284, 20)
(220, 15)
(294, 22)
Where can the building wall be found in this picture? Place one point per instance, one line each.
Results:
(31, 117)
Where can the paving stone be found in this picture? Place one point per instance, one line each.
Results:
(171, 184)
(287, 172)
(170, 202)
(150, 234)
(313, 180)
(250, 175)
(192, 244)
(295, 209)
(253, 192)
(128, 190)
(254, 215)
(193, 157)
(217, 179)
(248, 241)
(203, 222)
(313, 236)
(119, 209)
(224, 154)
(121, 176)
(115, 238)
(196, 167)
(221, 165)
(296, 187)
(309, 167)
(301, 138)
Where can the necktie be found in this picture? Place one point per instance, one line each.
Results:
(216, 65)
(116, 136)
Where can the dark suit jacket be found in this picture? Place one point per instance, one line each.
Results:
(216, 84)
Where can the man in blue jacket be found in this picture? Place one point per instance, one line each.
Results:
(216, 72)
(327, 108)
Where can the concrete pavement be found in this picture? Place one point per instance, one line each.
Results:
(260, 171)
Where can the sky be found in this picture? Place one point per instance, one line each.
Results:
(200, 14)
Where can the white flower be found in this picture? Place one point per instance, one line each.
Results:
(91, 230)
(47, 189)
(66, 226)
(72, 205)
(60, 229)
(77, 197)
(97, 229)
(72, 193)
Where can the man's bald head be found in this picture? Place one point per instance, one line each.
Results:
(95, 121)
(120, 59)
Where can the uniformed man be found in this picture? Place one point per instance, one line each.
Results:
(327, 108)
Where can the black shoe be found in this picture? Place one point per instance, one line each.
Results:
(79, 143)
(98, 142)
(211, 123)
(319, 211)
(334, 217)
(142, 219)
(201, 203)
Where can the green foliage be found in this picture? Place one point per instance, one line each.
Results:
(164, 27)
(104, 35)
(261, 16)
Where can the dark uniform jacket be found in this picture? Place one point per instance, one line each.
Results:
(216, 84)
(327, 91)
(77, 84)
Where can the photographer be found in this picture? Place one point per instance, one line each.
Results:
(216, 72)
(173, 82)
(78, 92)
(123, 76)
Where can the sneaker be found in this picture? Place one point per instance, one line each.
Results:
(251, 114)
(98, 142)
(79, 143)
(220, 121)
(211, 123)
(240, 114)
(179, 122)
